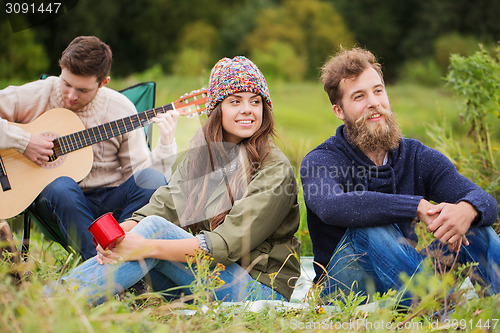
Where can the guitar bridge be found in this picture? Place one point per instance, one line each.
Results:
(4, 180)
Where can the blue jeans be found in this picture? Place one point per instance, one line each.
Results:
(377, 256)
(105, 280)
(63, 204)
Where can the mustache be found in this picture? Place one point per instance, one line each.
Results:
(379, 109)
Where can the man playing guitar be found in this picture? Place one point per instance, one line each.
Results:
(124, 173)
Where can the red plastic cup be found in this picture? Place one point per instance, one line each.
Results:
(106, 231)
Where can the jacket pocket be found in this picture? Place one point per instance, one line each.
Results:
(259, 258)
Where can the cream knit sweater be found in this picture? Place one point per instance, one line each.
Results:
(115, 160)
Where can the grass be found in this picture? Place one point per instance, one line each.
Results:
(25, 308)
(304, 119)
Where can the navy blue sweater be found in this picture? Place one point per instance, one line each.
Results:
(344, 189)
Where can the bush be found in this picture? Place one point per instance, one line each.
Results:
(476, 81)
(453, 43)
(197, 45)
(21, 57)
(191, 62)
(425, 72)
(280, 61)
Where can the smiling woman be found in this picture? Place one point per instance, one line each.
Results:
(234, 196)
(241, 116)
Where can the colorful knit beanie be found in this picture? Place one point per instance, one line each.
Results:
(230, 76)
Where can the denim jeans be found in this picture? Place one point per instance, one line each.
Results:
(63, 204)
(377, 256)
(101, 281)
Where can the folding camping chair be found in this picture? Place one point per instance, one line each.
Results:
(143, 96)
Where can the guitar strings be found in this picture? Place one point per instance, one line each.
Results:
(74, 141)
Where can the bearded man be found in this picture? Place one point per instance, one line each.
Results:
(366, 187)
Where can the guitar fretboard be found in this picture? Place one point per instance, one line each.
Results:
(68, 143)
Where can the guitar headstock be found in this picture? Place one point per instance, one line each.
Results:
(192, 103)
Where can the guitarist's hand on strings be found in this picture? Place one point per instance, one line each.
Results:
(39, 149)
(167, 123)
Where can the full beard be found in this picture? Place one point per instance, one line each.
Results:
(372, 137)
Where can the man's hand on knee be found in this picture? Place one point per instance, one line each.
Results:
(452, 222)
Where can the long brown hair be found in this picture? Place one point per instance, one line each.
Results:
(213, 155)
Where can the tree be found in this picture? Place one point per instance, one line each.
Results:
(477, 80)
(198, 43)
(313, 29)
(400, 30)
(21, 57)
(381, 27)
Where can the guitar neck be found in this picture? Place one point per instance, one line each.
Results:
(90, 136)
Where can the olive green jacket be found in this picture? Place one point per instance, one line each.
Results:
(258, 232)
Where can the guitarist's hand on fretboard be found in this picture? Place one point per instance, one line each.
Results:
(39, 149)
(167, 123)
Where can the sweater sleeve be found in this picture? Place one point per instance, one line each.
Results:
(11, 110)
(13, 137)
(446, 184)
(423, 172)
(135, 155)
(338, 204)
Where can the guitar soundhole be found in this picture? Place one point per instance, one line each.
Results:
(56, 159)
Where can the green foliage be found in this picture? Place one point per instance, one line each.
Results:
(476, 82)
(476, 79)
(21, 56)
(26, 308)
(145, 33)
(403, 30)
(382, 29)
(206, 278)
(453, 43)
(429, 71)
(280, 62)
(421, 71)
(303, 233)
(313, 29)
(191, 62)
(198, 43)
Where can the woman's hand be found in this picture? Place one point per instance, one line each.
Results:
(131, 247)
(128, 225)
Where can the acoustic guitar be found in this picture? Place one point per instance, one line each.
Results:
(22, 180)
